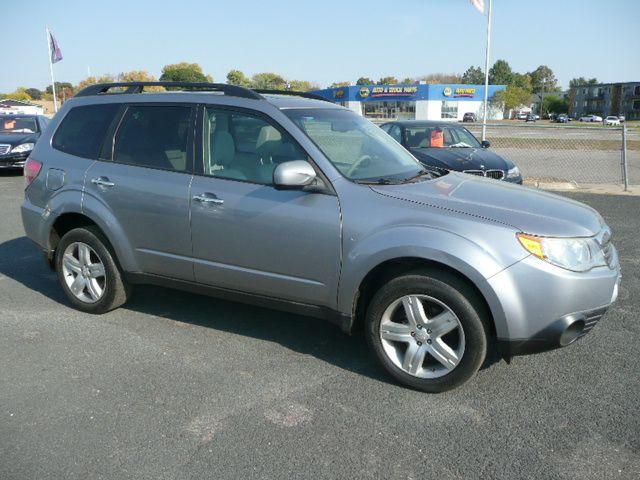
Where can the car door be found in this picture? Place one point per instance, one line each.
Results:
(143, 178)
(249, 236)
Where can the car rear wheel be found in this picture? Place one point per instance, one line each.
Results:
(88, 271)
(426, 329)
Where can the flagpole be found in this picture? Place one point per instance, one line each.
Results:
(53, 83)
(486, 73)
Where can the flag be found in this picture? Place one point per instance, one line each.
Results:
(479, 4)
(56, 53)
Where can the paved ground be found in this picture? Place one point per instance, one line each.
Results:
(180, 386)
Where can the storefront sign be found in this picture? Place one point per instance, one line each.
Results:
(388, 91)
(459, 92)
(339, 93)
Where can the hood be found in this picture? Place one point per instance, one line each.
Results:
(18, 138)
(526, 209)
(461, 158)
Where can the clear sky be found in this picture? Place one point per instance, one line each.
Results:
(319, 40)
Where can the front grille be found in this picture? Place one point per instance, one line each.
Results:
(4, 148)
(495, 174)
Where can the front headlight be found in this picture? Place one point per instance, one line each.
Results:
(576, 254)
(513, 172)
(23, 147)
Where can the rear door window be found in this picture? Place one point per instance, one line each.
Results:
(83, 129)
(154, 136)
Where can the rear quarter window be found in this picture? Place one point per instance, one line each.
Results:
(83, 129)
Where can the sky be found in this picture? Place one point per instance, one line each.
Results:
(321, 41)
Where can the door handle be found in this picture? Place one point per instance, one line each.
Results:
(102, 182)
(208, 198)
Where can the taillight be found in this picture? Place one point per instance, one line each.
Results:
(31, 170)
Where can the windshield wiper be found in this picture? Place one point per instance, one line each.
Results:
(378, 181)
(421, 173)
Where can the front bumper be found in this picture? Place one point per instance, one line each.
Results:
(547, 307)
(13, 160)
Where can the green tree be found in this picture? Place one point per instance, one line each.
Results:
(339, 84)
(408, 80)
(140, 76)
(302, 86)
(59, 87)
(522, 80)
(512, 97)
(236, 77)
(501, 73)
(438, 78)
(34, 93)
(19, 94)
(268, 81)
(364, 81)
(580, 81)
(92, 80)
(543, 80)
(555, 104)
(388, 81)
(473, 76)
(184, 72)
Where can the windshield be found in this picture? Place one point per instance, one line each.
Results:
(355, 146)
(17, 125)
(430, 136)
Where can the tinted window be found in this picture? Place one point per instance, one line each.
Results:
(440, 137)
(154, 136)
(395, 133)
(10, 124)
(239, 146)
(83, 128)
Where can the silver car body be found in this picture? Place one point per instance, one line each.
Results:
(315, 250)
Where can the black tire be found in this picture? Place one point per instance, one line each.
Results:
(116, 290)
(461, 299)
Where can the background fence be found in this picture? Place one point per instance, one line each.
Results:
(578, 154)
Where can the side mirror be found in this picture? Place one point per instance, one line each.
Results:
(295, 174)
(485, 144)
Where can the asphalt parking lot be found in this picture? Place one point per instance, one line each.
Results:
(175, 385)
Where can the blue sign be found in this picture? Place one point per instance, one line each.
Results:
(407, 93)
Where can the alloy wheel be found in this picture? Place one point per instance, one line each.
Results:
(83, 272)
(422, 336)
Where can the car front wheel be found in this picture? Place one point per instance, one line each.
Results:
(427, 330)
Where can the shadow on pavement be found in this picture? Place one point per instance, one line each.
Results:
(21, 261)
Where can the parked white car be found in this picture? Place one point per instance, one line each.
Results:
(611, 120)
(591, 118)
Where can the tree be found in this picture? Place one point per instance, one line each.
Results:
(512, 97)
(501, 73)
(236, 77)
(339, 84)
(364, 81)
(59, 87)
(408, 80)
(388, 81)
(522, 80)
(555, 104)
(438, 78)
(268, 81)
(580, 81)
(92, 80)
(473, 76)
(302, 86)
(543, 80)
(184, 72)
(34, 93)
(19, 94)
(140, 76)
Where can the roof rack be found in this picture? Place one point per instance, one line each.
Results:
(293, 93)
(138, 87)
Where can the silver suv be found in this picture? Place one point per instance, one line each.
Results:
(295, 203)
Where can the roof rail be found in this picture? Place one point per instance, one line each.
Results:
(138, 87)
(293, 93)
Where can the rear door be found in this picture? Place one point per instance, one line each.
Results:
(143, 178)
(250, 236)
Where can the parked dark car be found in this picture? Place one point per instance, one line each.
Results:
(443, 145)
(18, 136)
(562, 118)
(531, 118)
(469, 117)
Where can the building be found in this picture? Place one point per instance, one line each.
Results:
(9, 106)
(417, 101)
(606, 99)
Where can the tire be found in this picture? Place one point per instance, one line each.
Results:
(101, 274)
(435, 290)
